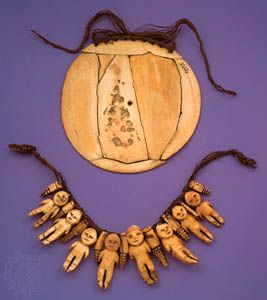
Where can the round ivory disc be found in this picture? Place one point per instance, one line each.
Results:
(127, 106)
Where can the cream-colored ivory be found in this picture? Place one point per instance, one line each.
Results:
(174, 245)
(108, 259)
(155, 246)
(204, 208)
(127, 106)
(62, 226)
(139, 251)
(190, 224)
(53, 187)
(50, 208)
(80, 249)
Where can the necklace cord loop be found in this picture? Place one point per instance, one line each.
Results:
(29, 149)
(242, 158)
(161, 35)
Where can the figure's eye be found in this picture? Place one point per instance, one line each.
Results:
(130, 236)
(138, 233)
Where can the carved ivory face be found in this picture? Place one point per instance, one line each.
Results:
(135, 236)
(164, 231)
(74, 216)
(61, 198)
(192, 198)
(112, 242)
(89, 236)
(179, 212)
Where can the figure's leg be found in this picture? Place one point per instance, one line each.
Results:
(217, 217)
(213, 221)
(43, 219)
(203, 233)
(152, 270)
(144, 273)
(109, 274)
(47, 233)
(52, 237)
(68, 261)
(184, 255)
(75, 262)
(36, 211)
(100, 276)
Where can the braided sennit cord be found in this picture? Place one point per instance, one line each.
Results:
(162, 36)
(244, 160)
(29, 149)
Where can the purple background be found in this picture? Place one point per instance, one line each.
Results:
(234, 266)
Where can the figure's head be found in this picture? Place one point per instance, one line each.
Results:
(135, 236)
(112, 242)
(179, 212)
(61, 198)
(74, 216)
(164, 231)
(192, 198)
(89, 236)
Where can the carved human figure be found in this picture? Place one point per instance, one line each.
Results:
(108, 259)
(203, 208)
(139, 250)
(174, 245)
(62, 226)
(190, 224)
(50, 207)
(80, 249)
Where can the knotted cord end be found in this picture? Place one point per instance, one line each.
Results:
(244, 160)
(23, 148)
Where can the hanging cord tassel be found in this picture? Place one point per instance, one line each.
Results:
(173, 32)
(162, 36)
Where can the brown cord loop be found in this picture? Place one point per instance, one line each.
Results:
(244, 160)
(29, 149)
(162, 36)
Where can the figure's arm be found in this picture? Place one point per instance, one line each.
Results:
(131, 253)
(55, 211)
(147, 247)
(58, 220)
(86, 252)
(101, 255)
(46, 201)
(166, 245)
(73, 245)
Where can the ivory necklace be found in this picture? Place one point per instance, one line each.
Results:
(182, 218)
